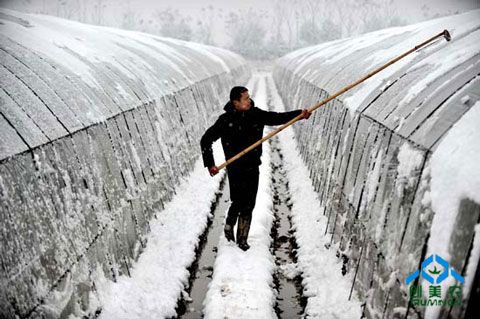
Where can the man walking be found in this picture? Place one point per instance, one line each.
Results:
(239, 127)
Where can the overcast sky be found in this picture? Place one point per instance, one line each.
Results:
(410, 10)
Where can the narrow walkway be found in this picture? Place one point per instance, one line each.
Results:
(242, 283)
(191, 305)
(235, 291)
(288, 282)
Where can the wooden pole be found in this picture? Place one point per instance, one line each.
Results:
(444, 33)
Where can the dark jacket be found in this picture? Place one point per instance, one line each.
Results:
(238, 130)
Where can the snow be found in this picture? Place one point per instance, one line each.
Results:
(209, 51)
(374, 177)
(380, 223)
(290, 270)
(440, 56)
(96, 71)
(158, 277)
(443, 61)
(327, 290)
(242, 282)
(473, 260)
(333, 52)
(465, 99)
(130, 52)
(454, 162)
(135, 156)
(455, 175)
(391, 280)
(409, 161)
(358, 43)
(452, 54)
(241, 286)
(3, 190)
(121, 90)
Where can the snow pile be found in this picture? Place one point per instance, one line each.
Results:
(242, 282)
(409, 161)
(160, 274)
(327, 290)
(455, 172)
(289, 270)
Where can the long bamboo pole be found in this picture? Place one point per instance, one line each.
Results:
(444, 33)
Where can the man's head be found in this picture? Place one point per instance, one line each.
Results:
(240, 98)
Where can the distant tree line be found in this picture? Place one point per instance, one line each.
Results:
(256, 34)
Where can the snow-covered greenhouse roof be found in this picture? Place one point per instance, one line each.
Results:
(421, 96)
(60, 76)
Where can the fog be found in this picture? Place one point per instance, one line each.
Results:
(257, 29)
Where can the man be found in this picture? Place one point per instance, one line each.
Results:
(239, 127)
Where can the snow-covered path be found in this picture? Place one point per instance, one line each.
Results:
(242, 283)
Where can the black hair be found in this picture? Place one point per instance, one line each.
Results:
(236, 92)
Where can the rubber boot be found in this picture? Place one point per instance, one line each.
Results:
(242, 232)
(228, 231)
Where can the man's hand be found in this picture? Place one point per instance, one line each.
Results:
(213, 170)
(306, 114)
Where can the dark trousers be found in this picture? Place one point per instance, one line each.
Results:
(243, 184)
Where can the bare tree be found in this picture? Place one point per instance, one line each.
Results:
(68, 9)
(247, 33)
(130, 20)
(98, 12)
(310, 32)
(173, 24)
(382, 14)
(204, 31)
